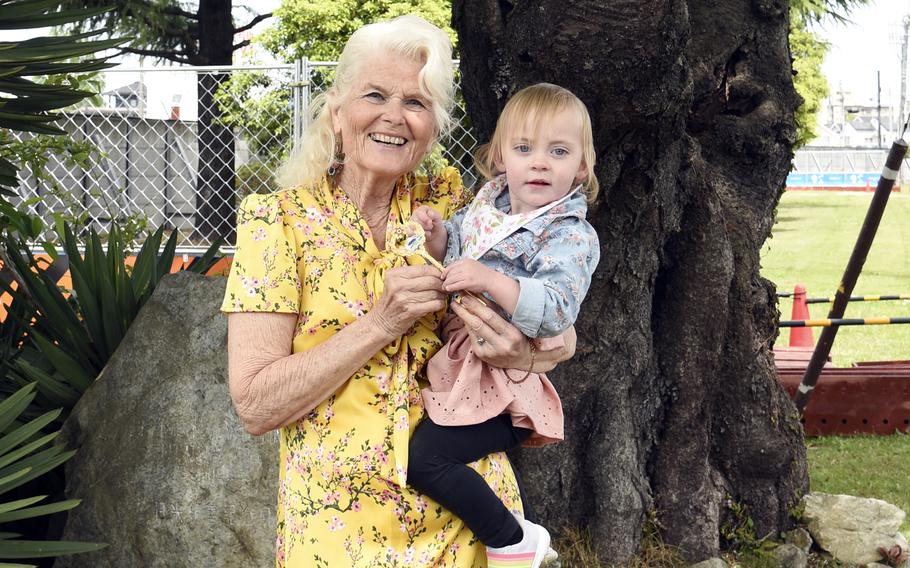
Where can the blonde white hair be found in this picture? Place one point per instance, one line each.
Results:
(409, 37)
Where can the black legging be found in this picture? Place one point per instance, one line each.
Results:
(437, 467)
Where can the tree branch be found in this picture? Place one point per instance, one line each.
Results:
(168, 10)
(252, 23)
(237, 46)
(174, 56)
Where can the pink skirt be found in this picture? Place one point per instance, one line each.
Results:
(464, 390)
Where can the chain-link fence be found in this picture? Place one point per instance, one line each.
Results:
(179, 147)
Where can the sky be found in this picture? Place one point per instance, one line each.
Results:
(868, 43)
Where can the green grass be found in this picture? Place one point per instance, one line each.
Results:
(865, 466)
(811, 243)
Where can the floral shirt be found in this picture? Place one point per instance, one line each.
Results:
(342, 499)
(553, 257)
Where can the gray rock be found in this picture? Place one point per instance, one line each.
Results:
(800, 538)
(166, 474)
(790, 556)
(852, 528)
(710, 563)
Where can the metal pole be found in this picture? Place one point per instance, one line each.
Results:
(305, 94)
(900, 113)
(854, 267)
(878, 83)
(298, 77)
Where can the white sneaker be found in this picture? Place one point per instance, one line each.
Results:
(529, 553)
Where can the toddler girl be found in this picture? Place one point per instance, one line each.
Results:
(524, 243)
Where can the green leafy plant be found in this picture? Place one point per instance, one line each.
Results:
(27, 104)
(25, 454)
(73, 336)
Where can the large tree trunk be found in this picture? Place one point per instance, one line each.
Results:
(215, 203)
(672, 403)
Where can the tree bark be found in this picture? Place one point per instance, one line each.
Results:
(215, 188)
(673, 409)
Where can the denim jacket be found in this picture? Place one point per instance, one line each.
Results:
(552, 257)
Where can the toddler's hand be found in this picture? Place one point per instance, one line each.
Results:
(429, 219)
(467, 274)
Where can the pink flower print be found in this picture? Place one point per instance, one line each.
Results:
(424, 557)
(421, 505)
(409, 555)
(279, 545)
(261, 211)
(454, 548)
(355, 506)
(259, 234)
(402, 422)
(330, 498)
(329, 412)
(336, 524)
(404, 527)
(308, 229)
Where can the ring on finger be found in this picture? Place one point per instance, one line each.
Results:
(480, 340)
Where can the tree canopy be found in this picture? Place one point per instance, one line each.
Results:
(317, 29)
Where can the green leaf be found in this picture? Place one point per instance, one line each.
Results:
(25, 432)
(12, 407)
(19, 504)
(146, 265)
(67, 366)
(39, 511)
(43, 549)
(201, 265)
(58, 392)
(27, 449)
(167, 257)
(7, 480)
(37, 465)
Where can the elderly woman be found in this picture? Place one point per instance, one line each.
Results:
(329, 329)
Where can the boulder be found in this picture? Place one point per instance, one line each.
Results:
(166, 474)
(800, 538)
(790, 556)
(853, 528)
(710, 563)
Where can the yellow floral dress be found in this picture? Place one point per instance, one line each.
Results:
(342, 498)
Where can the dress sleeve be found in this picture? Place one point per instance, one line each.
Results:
(264, 275)
(561, 270)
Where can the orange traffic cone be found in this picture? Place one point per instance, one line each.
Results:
(800, 336)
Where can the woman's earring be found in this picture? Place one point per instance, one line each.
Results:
(337, 159)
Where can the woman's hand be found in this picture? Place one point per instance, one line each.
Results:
(500, 344)
(410, 293)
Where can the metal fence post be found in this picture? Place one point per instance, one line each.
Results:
(301, 96)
